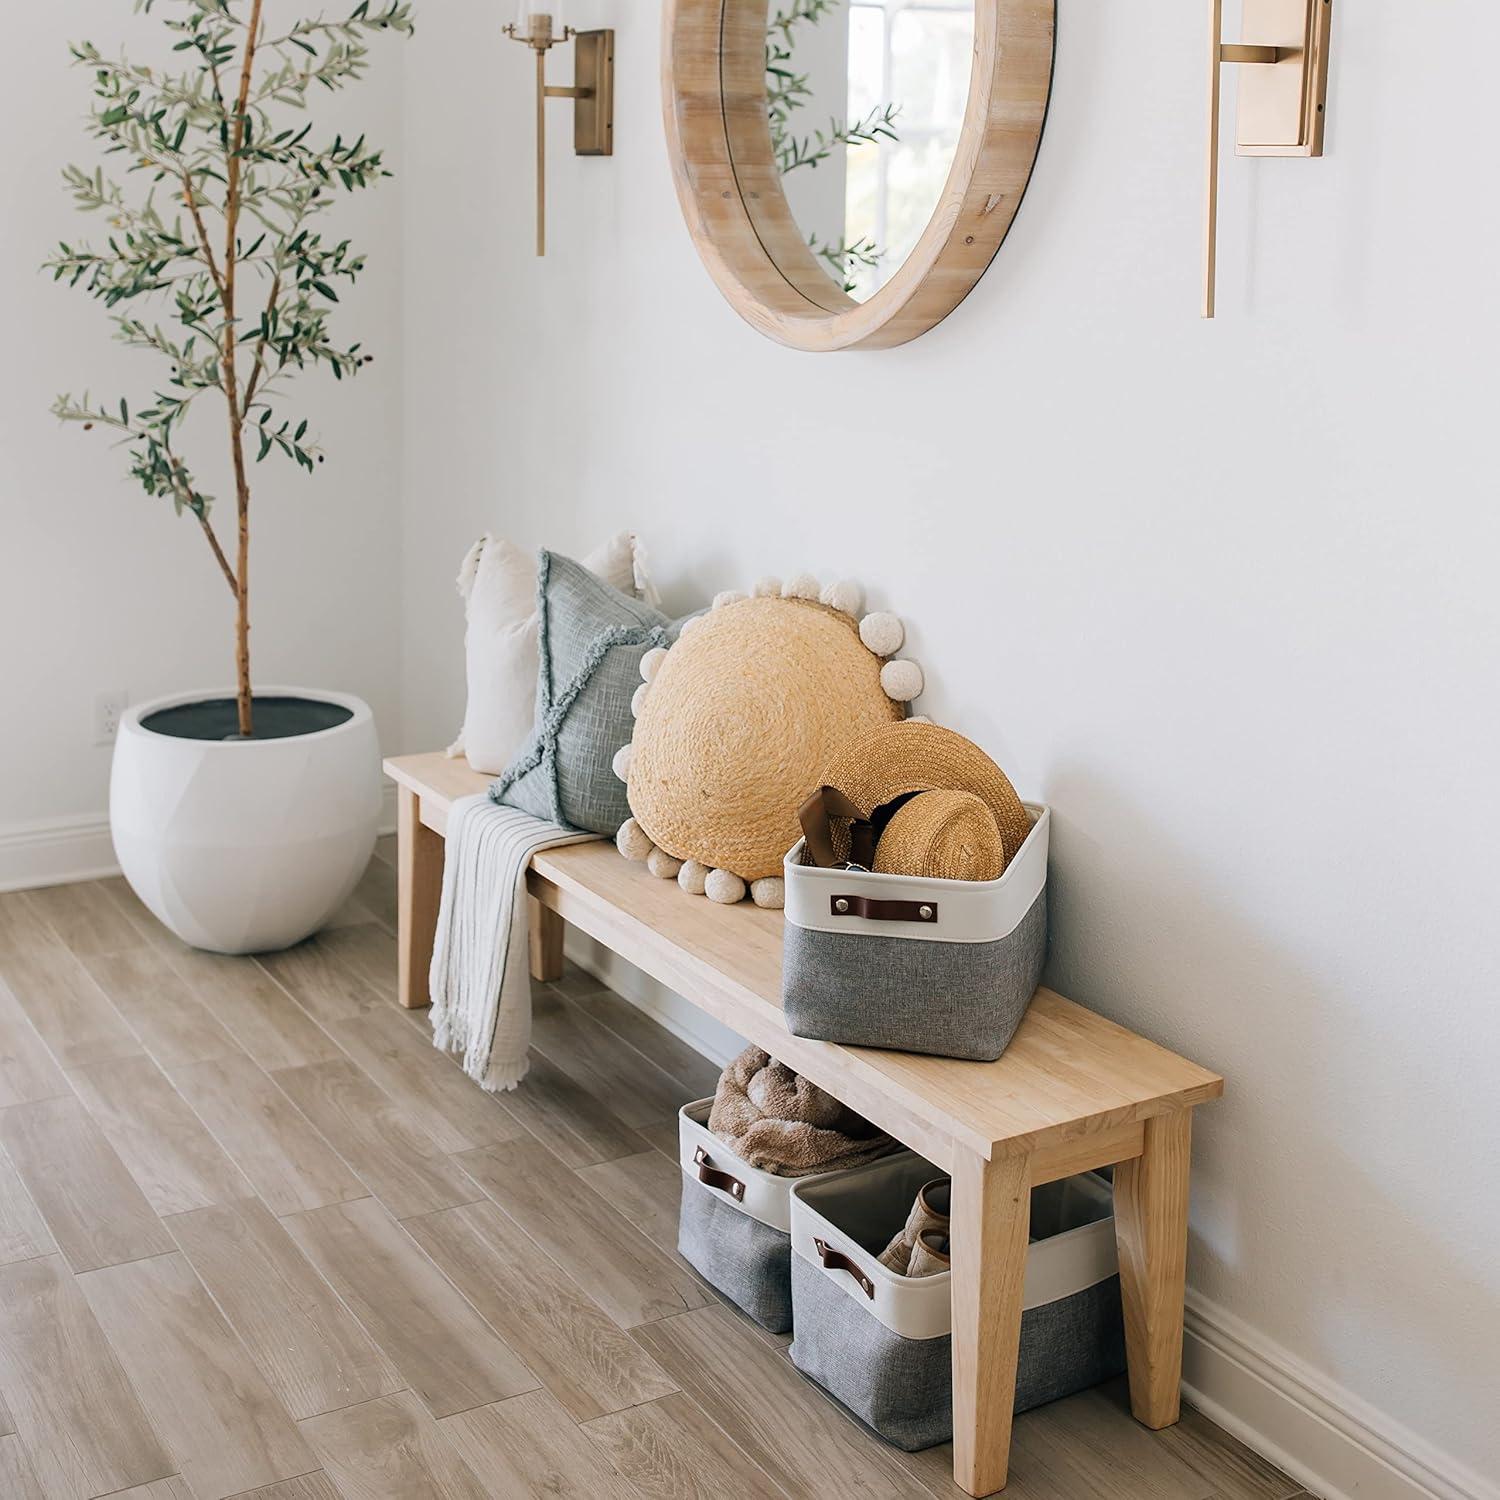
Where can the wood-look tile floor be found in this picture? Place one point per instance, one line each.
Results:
(258, 1239)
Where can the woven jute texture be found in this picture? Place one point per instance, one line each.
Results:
(742, 716)
(897, 759)
(941, 835)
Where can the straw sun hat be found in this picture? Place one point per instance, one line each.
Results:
(958, 816)
(941, 835)
(738, 718)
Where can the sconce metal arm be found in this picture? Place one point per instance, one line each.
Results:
(1220, 52)
(593, 101)
(1281, 107)
(1242, 52)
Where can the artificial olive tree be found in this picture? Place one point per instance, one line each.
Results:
(217, 263)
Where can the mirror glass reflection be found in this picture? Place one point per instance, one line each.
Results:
(865, 101)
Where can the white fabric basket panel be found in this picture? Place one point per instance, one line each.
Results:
(1072, 1245)
(967, 911)
(702, 1155)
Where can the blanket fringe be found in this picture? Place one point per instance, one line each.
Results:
(480, 978)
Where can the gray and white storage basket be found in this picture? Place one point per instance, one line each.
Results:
(882, 1343)
(735, 1227)
(940, 966)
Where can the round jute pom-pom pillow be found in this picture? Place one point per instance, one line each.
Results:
(742, 716)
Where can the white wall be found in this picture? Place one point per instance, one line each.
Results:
(104, 588)
(1223, 593)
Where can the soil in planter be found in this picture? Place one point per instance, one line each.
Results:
(219, 719)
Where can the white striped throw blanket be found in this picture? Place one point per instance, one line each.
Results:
(480, 980)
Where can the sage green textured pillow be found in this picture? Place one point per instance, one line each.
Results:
(592, 638)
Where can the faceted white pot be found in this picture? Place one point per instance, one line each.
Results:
(245, 846)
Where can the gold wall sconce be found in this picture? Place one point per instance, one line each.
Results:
(592, 90)
(1283, 95)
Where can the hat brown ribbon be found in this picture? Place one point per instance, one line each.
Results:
(816, 816)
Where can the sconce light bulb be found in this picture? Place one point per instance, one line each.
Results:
(539, 22)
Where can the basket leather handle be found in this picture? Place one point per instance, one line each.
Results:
(714, 1178)
(873, 910)
(836, 1260)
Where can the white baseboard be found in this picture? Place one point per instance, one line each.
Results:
(1325, 1437)
(60, 851)
(56, 852)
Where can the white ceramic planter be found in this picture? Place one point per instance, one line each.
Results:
(245, 846)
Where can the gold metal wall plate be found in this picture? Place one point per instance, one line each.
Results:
(594, 102)
(1282, 105)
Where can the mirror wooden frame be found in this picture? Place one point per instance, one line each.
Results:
(719, 143)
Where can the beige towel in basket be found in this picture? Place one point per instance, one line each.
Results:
(776, 1120)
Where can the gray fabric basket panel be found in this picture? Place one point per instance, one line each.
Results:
(903, 1388)
(746, 1260)
(591, 641)
(961, 1000)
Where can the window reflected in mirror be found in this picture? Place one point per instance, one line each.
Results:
(865, 101)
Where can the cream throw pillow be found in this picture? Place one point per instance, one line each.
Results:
(498, 583)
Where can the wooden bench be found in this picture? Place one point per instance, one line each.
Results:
(1073, 1091)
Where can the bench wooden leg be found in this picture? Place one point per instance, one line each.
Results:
(419, 890)
(991, 1219)
(1151, 1218)
(545, 933)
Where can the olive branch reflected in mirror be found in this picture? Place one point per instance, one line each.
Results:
(845, 258)
(787, 91)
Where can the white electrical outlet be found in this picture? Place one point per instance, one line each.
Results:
(109, 709)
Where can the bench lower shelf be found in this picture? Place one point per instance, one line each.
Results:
(1073, 1092)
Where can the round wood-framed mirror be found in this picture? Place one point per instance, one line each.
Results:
(733, 82)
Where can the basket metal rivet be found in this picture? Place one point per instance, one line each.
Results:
(925, 912)
(841, 905)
